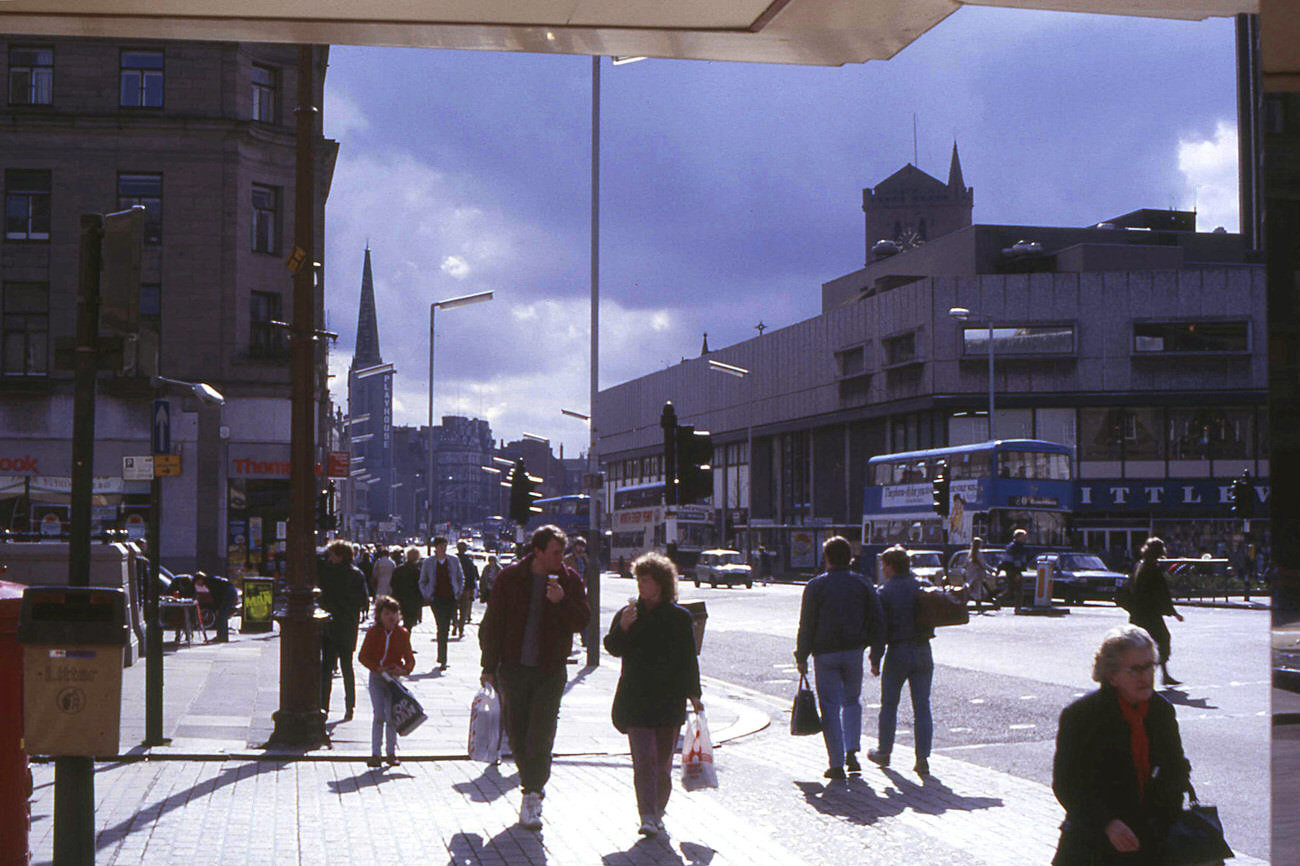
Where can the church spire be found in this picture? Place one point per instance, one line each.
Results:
(955, 180)
(366, 353)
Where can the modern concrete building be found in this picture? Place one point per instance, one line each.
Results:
(201, 135)
(1142, 349)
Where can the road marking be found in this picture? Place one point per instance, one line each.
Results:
(959, 730)
(977, 700)
(1021, 727)
(1029, 697)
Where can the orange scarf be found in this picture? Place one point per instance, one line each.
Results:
(1138, 743)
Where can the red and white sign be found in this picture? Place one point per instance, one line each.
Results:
(339, 464)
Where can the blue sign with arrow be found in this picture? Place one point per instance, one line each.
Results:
(161, 426)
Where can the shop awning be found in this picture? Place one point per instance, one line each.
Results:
(814, 32)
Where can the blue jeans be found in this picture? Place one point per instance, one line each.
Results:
(839, 687)
(381, 700)
(913, 664)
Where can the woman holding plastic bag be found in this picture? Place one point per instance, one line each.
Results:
(653, 636)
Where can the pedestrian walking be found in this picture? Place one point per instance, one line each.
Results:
(406, 588)
(465, 609)
(654, 637)
(536, 606)
(386, 650)
(980, 581)
(343, 597)
(1119, 768)
(577, 560)
(907, 659)
(1152, 602)
(840, 616)
(441, 580)
(1014, 562)
(381, 573)
(488, 577)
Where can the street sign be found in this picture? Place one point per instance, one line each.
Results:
(296, 260)
(166, 465)
(338, 464)
(137, 468)
(160, 425)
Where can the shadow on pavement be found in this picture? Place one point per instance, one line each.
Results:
(145, 818)
(1183, 699)
(579, 677)
(373, 777)
(506, 847)
(660, 852)
(851, 799)
(933, 797)
(489, 786)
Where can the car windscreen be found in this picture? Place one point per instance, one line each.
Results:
(926, 560)
(1080, 562)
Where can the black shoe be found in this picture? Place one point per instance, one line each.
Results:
(1167, 680)
(392, 761)
(878, 757)
(443, 666)
(851, 763)
(834, 773)
(374, 762)
(922, 767)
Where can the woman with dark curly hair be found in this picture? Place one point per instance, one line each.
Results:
(1152, 602)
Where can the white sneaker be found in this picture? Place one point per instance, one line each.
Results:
(530, 812)
(649, 826)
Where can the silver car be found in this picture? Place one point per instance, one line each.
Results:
(721, 566)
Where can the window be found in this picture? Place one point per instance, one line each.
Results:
(264, 339)
(27, 205)
(151, 304)
(266, 219)
(851, 362)
(1178, 337)
(26, 323)
(900, 349)
(141, 79)
(1101, 433)
(264, 87)
(1027, 340)
(1211, 433)
(1034, 465)
(143, 189)
(31, 75)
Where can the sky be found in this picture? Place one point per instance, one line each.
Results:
(729, 192)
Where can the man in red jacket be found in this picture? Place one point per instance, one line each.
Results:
(535, 608)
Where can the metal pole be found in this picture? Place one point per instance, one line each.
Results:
(990, 380)
(429, 484)
(153, 633)
(300, 721)
(595, 542)
(749, 477)
(74, 777)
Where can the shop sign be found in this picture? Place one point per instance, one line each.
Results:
(25, 464)
(1172, 494)
(338, 464)
(250, 460)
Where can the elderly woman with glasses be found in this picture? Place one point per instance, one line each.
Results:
(1119, 769)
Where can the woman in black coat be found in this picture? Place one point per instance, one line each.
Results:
(1119, 769)
(1152, 602)
(653, 636)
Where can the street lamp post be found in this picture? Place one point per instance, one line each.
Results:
(740, 373)
(962, 314)
(450, 303)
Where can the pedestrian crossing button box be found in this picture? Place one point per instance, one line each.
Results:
(73, 642)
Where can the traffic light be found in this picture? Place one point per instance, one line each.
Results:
(939, 489)
(1242, 496)
(325, 517)
(523, 490)
(694, 472)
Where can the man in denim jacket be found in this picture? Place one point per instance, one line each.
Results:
(840, 616)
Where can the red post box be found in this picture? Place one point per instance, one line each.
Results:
(15, 775)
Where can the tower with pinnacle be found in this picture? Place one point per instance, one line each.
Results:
(370, 411)
(912, 207)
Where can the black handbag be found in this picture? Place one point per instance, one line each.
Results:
(804, 719)
(1195, 837)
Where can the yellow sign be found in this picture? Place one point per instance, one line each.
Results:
(296, 260)
(165, 465)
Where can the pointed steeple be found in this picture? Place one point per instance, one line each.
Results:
(704, 350)
(955, 180)
(366, 353)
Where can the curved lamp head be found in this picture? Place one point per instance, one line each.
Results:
(961, 314)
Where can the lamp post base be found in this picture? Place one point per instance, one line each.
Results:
(297, 729)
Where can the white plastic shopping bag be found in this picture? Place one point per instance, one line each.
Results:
(485, 726)
(697, 754)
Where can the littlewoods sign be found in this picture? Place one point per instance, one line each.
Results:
(1113, 495)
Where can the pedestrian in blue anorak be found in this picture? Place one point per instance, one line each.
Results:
(907, 659)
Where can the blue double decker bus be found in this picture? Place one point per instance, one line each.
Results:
(994, 488)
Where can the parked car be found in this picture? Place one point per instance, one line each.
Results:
(1081, 576)
(722, 566)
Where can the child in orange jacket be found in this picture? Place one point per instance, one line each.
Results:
(386, 650)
